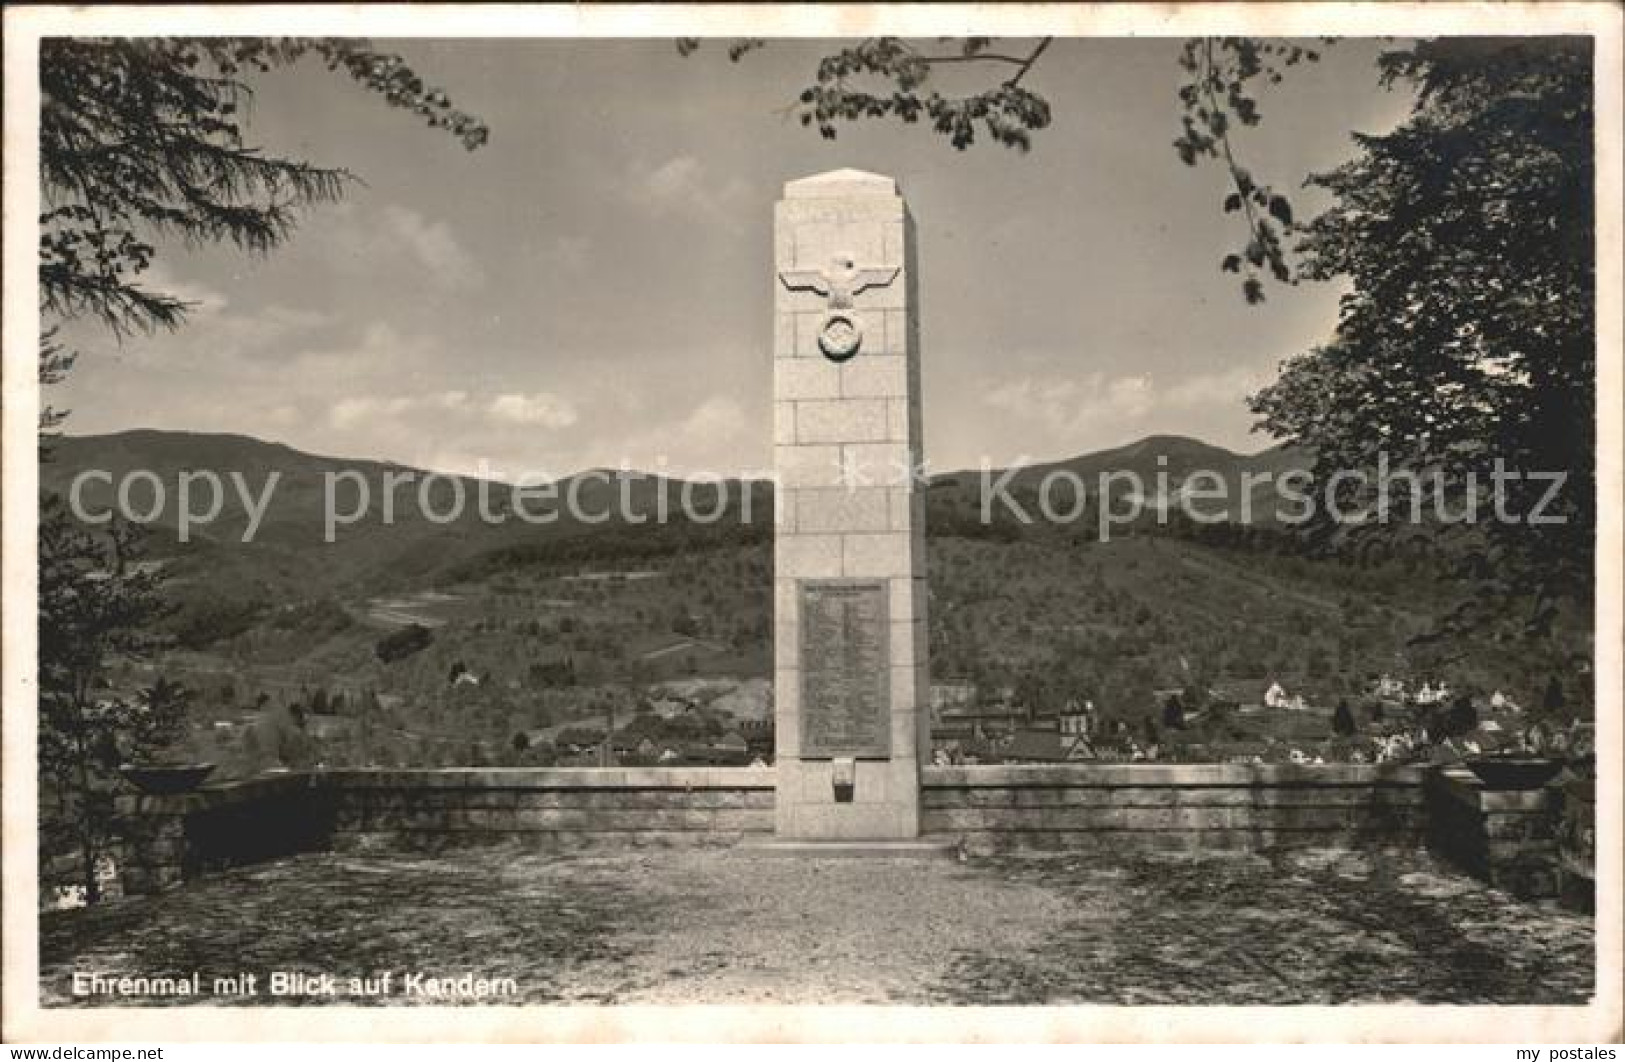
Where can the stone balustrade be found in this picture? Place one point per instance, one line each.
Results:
(164, 840)
(1508, 838)
(566, 808)
(1189, 806)
(1505, 837)
(169, 839)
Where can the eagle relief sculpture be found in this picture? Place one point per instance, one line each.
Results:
(841, 335)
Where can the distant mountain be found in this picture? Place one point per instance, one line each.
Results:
(1176, 456)
(410, 537)
(168, 452)
(1147, 607)
(409, 542)
(1156, 470)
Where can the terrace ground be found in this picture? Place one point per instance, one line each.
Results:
(733, 926)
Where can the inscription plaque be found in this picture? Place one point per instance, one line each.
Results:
(845, 669)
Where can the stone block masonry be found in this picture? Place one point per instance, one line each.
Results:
(1508, 838)
(161, 841)
(563, 808)
(1193, 807)
(169, 839)
(1093, 807)
(849, 556)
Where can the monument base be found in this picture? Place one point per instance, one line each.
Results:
(916, 848)
(846, 800)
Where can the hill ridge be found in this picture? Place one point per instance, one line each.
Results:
(1145, 444)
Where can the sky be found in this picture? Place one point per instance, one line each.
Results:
(594, 286)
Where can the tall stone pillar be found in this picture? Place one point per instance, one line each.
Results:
(850, 678)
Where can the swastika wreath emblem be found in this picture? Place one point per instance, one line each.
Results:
(840, 337)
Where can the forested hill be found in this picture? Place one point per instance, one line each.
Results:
(1152, 605)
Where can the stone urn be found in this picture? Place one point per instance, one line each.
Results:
(165, 779)
(1513, 772)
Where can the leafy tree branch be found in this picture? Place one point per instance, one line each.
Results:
(887, 77)
(143, 139)
(890, 78)
(1465, 234)
(1217, 95)
(1467, 337)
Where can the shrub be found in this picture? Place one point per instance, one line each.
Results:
(403, 643)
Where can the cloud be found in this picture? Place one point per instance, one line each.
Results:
(548, 410)
(717, 419)
(1233, 383)
(677, 178)
(682, 184)
(1076, 403)
(349, 412)
(717, 436)
(1072, 405)
(432, 245)
(363, 238)
(261, 334)
(474, 434)
(205, 301)
(457, 406)
(284, 416)
(568, 254)
(1071, 414)
(215, 339)
(370, 362)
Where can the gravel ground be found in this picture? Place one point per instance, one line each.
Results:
(710, 926)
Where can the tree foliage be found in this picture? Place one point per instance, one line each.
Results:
(1217, 95)
(398, 645)
(888, 77)
(1466, 234)
(55, 361)
(97, 605)
(1467, 336)
(141, 139)
(1343, 723)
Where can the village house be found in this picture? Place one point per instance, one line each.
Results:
(578, 740)
(1430, 694)
(625, 742)
(986, 721)
(552, 665)
(729, 750)
(1078, 720)
(1389, 688)
(951, 694)
(758, 735)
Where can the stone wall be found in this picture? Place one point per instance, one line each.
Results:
(163, 840)
(559, 807)
(1505, 837)
(170, 839)
(1194, 806)
(1577, 841)
(1508, 838)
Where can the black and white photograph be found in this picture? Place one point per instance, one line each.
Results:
(517, 513)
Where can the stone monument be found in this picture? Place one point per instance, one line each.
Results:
(850, 676)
